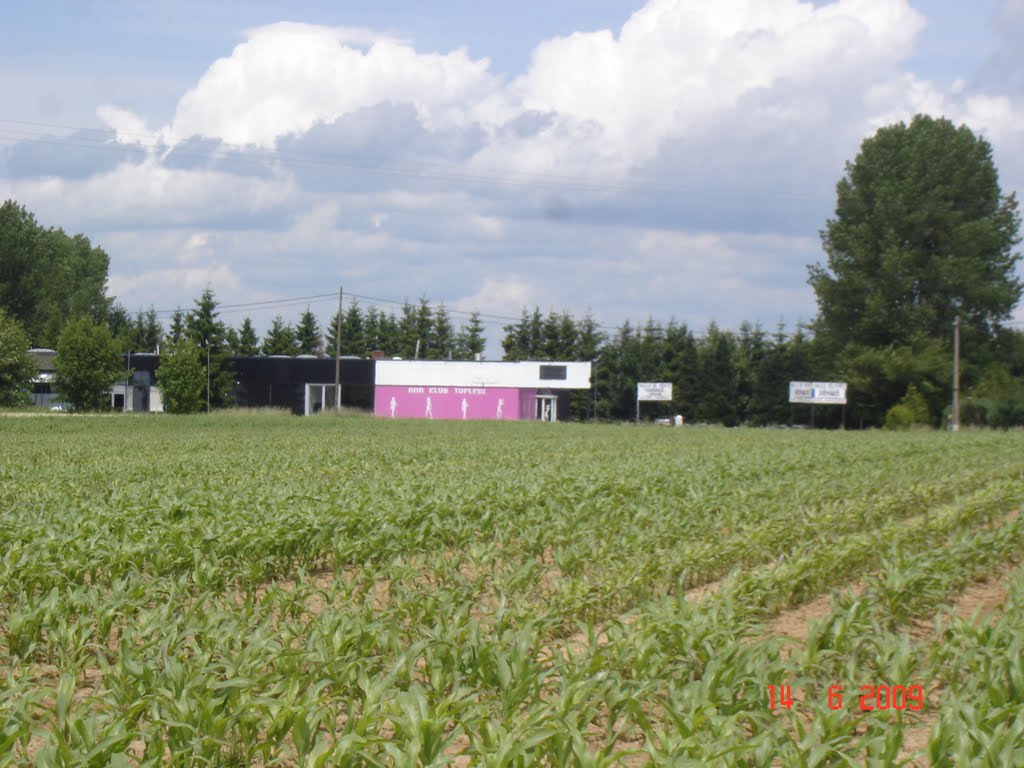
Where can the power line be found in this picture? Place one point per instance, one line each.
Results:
(255, 156)
(318, 298)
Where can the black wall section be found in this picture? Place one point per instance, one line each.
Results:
(280, 382)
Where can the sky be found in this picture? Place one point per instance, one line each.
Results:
(668, 159)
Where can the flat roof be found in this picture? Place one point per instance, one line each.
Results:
(529, 374)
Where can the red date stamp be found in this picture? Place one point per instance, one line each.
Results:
(870, 697)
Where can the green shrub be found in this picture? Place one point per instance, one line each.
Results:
(899, 417)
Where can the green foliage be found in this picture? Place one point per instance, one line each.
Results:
(879, 377)
(205, 329)
(182, 378)
(718, 375)
(911, 411)
(248, 343)
(922, 234)
(899, 416)
(991, 412)
(366, 332)
(307, 334)
(48, 277)
(442, 335)
(87, 365)
(145, 333)
(470, 341)
(998, 384)
(722, 377)
(177, 329)
(209, 600)
(917, 405)
(280, 339)
(17, 367)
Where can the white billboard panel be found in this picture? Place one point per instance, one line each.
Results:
(818, 392)
(654, 391)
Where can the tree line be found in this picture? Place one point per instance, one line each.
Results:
(922, 237)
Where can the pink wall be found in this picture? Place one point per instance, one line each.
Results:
(503, 403)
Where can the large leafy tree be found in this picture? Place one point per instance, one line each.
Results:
(48, 277)
(922, 234)
(88, 364)
(17, 368)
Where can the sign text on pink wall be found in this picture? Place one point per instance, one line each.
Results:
(464, 403)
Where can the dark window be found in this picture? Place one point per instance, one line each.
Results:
(552, 373)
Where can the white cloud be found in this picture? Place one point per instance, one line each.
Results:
(620, 170)
(158, 287)
(128, 127)
(288, 77)
(146, 193)
(505, 295)
(680, 68)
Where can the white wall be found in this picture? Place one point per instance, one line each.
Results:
(445, 373)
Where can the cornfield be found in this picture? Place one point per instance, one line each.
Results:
(274, 591)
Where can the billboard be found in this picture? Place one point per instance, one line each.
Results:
(818, 392)
(654, 391)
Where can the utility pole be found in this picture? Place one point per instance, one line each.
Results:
(955, 419)
(337, 356)
(207, 375)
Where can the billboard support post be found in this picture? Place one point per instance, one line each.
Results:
(650, 391)
(815, 393)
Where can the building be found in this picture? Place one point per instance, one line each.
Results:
(428, 389)
(139, 393)
(303, 384)
(43, 393)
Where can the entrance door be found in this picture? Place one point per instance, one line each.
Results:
(547, 408)
(320, 397)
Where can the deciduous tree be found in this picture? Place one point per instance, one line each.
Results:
(47, 276)
(922, 234)
(87, 365)
(182, 377)
(17, 367)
